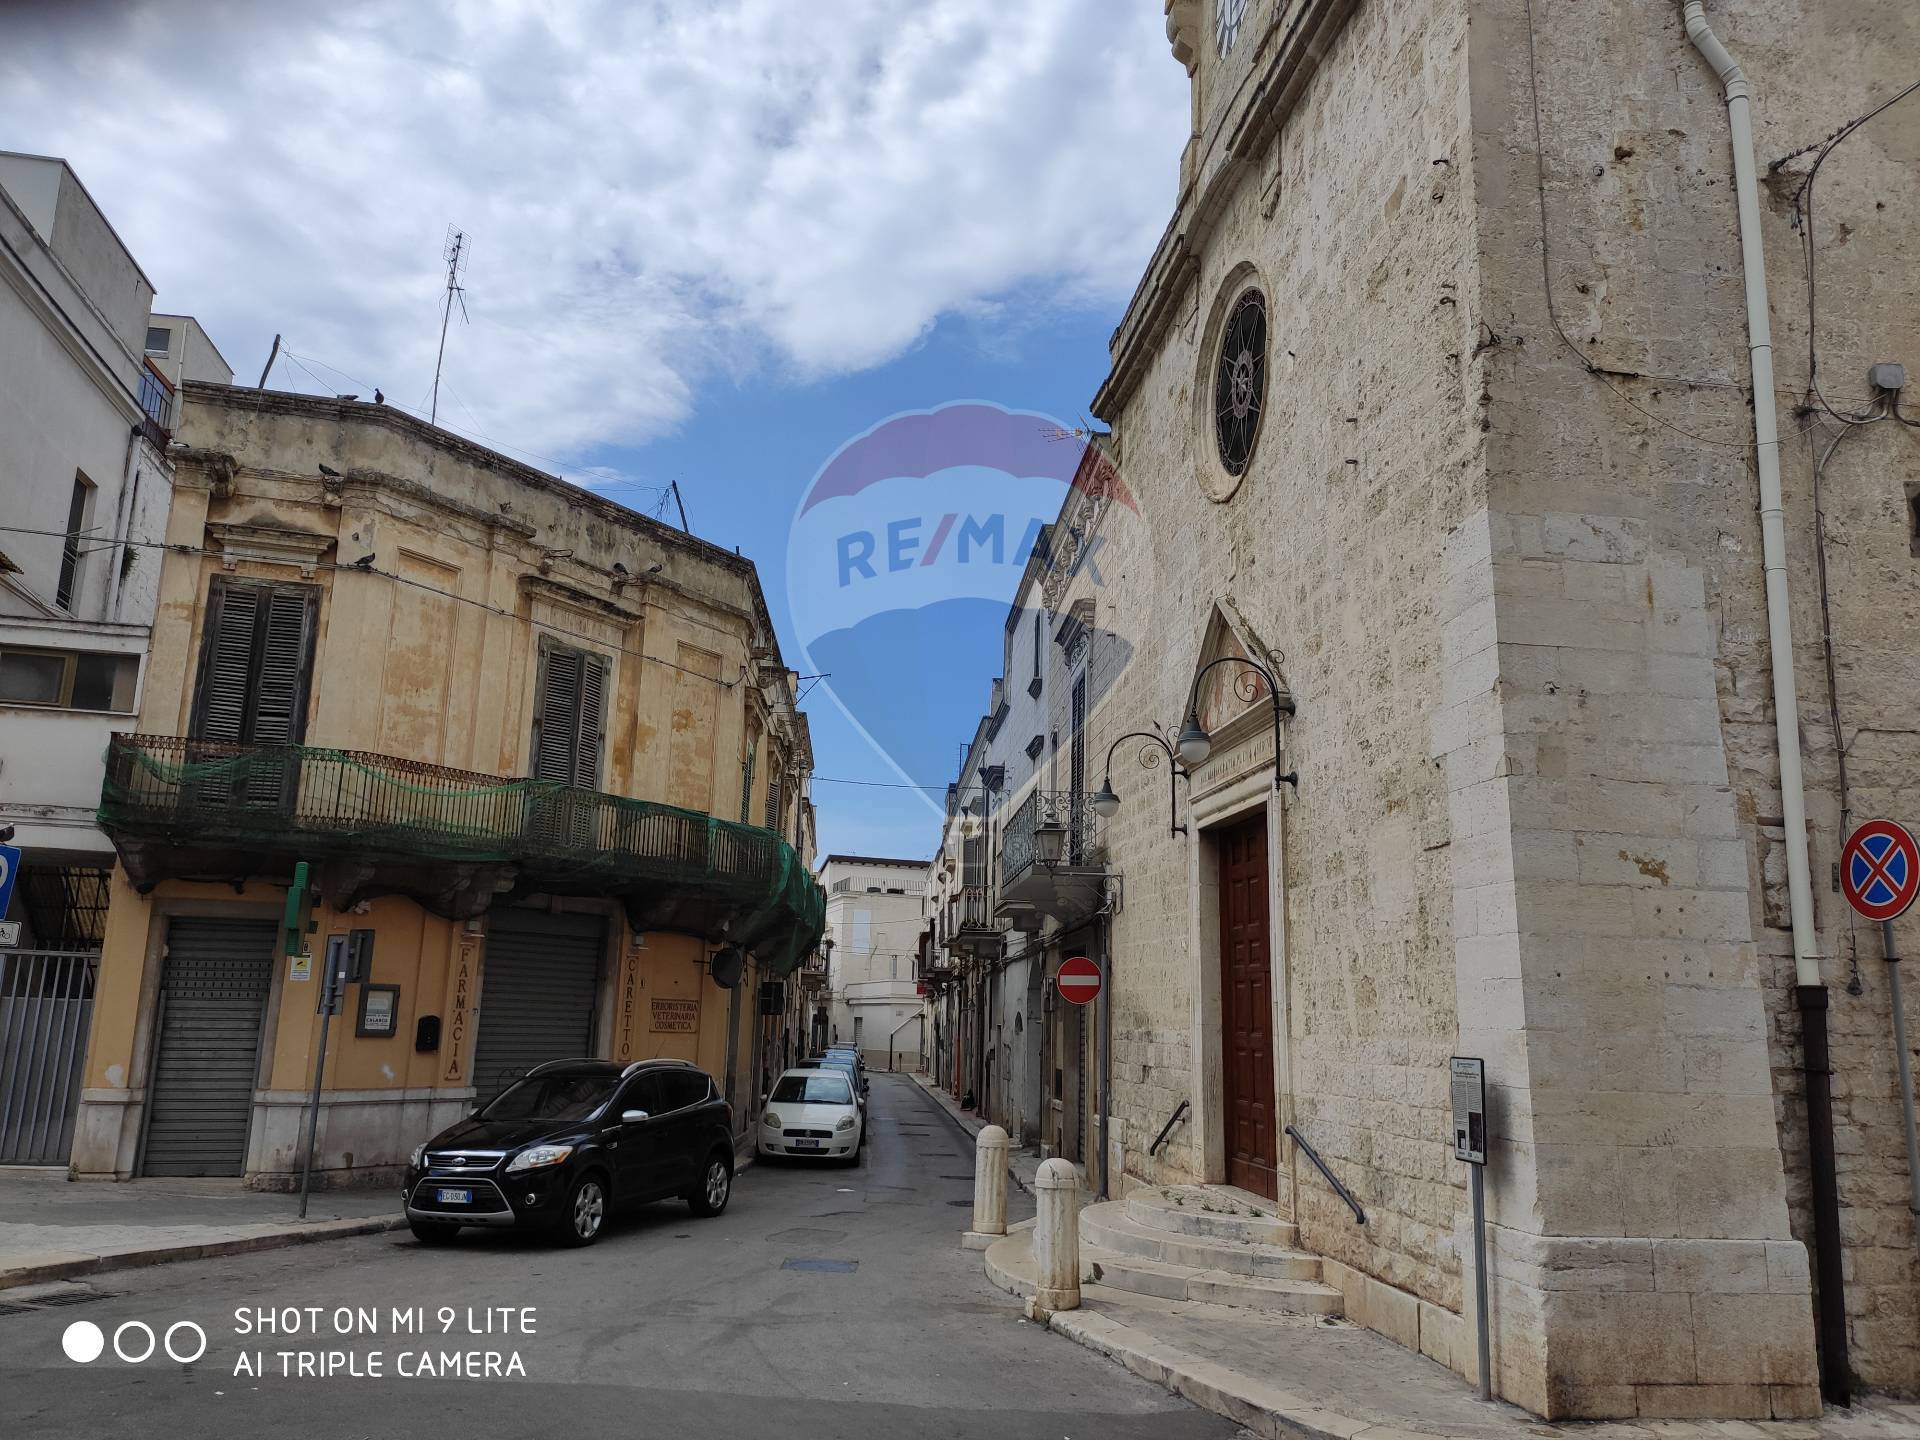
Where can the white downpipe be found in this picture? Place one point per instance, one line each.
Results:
(1773, 520)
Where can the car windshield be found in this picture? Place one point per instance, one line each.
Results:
(552, 1097)
(812, 1090)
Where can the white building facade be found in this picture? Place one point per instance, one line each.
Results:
(873, 924)
(85, 487)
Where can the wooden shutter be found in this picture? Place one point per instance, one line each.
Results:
(570, 718)
(280, 691)
(226, 663)
(773, 802)
(593, 721)
(746, 787)
(255, 661)
(555, 717)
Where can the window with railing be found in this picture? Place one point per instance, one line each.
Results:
(156, 397)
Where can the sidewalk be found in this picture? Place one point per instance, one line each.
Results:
(1319, 1379)
(51, 1228)
(1022, 1164)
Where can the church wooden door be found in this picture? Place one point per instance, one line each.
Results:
(1246, 1010)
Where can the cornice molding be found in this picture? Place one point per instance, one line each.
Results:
(1294, 53)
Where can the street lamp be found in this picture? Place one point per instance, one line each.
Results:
(1195, 744)
(1049, 842)
(1106, 803)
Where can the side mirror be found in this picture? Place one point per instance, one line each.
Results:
(632, 1117)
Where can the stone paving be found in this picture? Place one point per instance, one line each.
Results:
(51, 1227)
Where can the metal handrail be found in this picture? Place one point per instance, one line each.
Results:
(1359, 1215)
(1167, 1129)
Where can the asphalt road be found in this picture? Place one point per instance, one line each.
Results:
(826, 1303)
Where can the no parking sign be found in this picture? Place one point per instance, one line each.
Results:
(1880, 870)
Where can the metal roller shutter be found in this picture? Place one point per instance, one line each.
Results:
(213, 999)
(538, 986)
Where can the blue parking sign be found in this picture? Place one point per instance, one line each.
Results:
(9, 867)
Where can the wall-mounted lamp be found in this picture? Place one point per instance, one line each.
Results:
(1049, 843)
(1195, 744)
(1106, 803)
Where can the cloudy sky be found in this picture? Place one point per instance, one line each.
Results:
(677, 212)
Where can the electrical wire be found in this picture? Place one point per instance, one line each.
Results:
(355, 569)
(1803, 221)
(1597, 371)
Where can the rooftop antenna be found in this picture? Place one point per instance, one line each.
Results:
(455, 254)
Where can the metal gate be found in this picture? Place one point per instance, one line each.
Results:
(46, 1007)
(213, 1005)
(538, 986)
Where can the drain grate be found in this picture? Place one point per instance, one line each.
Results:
(823, 1267)
(72, 1297)
(16, 1310)
(959, 1202)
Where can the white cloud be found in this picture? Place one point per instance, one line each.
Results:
(654, 191)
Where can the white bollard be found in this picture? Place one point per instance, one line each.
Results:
(989, 1189)
(1056, 1237)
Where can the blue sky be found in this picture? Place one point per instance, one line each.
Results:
(710, 241)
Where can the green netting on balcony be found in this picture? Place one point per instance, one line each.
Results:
(673, 869)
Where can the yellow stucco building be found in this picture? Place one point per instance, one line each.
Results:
(537, 753)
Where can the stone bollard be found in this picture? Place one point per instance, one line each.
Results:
(1056, 1237)
(989, 1189)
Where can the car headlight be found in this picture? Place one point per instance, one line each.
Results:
(846, 1123)
(770, 1119)
(419, 1157)
(538, 1155)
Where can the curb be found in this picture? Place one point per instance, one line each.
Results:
(73, 1264)
(940, 1104)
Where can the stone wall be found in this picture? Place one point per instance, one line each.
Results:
(1330, 549)
(1511, 554)
(1627, 499)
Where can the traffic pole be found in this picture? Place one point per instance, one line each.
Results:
(1892, 953)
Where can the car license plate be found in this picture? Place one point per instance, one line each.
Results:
(806, 1144)
(454, 1197)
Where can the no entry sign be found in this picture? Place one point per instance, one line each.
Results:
(1880, 870)
(1079, 980)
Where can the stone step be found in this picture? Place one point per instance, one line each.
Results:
(1208, 1212)
(1109, 1227)
(1009, 1264)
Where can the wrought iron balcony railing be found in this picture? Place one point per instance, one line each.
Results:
(451, 838)
(1065, 809)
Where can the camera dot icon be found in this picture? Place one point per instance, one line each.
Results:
(83, 1342)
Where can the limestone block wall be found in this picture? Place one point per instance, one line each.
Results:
(1633, 653)
(1331, 549)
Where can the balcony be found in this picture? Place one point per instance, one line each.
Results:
(156, 403)
(453, 840)
(1067, 891)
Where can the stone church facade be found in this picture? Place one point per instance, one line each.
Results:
(1435, 402)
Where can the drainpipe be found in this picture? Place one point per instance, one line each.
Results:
(122, 522)
(1809, 990)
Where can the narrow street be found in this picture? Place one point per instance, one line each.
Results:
(668, 1326)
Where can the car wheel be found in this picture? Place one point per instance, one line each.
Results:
(428, 1233)
(585, 1212)
(716, 1186)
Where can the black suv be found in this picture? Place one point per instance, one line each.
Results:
(560, 1148)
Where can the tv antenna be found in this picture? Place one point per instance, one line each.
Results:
(455, 254)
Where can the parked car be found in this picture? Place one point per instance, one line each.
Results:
(854, 1068)
(813, 1111)
(570, 1143)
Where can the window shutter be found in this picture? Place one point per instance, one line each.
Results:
(593, 721)
(226, 664)
(773, 803)
(746, 787)
(554, 726)
(279, 705)
(255, 659)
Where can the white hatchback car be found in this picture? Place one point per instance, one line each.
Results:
(813, 1112)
